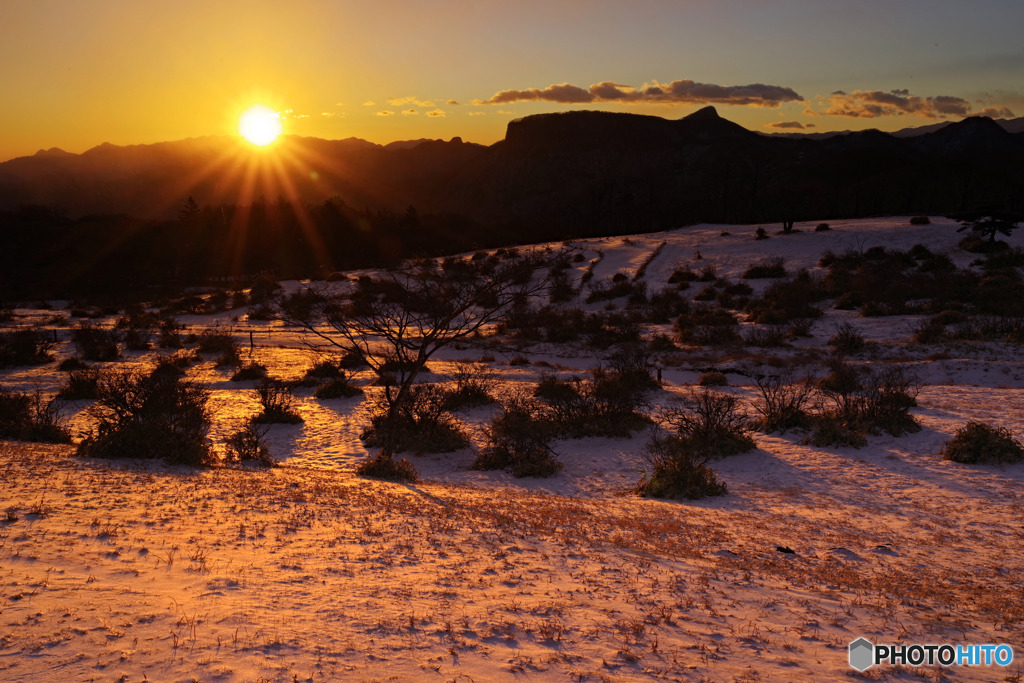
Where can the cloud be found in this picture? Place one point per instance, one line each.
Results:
(677, 92)
(437, 113)
(792, 125)
(400, 101)
(369, 103)
(385, 113)
(452, 102)
(410, 112)
(869, 104)
(997, 113)
(477, 113)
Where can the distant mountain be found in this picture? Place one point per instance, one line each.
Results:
(565, 174)
(153, 180)
(1009, 125)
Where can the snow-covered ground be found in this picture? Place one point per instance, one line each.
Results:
(305, 572)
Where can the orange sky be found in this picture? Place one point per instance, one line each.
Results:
(76, 74)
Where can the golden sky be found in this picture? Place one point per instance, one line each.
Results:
(77, 73)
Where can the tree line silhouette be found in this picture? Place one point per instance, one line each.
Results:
(45, 254)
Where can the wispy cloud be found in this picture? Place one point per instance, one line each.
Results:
(869, 104)
(677, 92)
(402, 101)
(385, 113)
(436, 114)
(410, 112)
(369, 103)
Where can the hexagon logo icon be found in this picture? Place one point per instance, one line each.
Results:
(862, 654)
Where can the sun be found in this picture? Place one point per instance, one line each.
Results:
(260, 125)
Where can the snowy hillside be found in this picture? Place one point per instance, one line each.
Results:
(137, 571)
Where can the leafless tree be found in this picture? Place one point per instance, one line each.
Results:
(398, 320)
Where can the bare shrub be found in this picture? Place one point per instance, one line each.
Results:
(137, 327)
(423, 424)
(769, 336)
(888, 395)
(710, 421)
(677, 470)
(783, 404)
(682, 276)
(28, 417)
(846, 339)
(714, 378)
(95, 343)
(980, 443)
(250, 372)
(769, 268)
(80, 385)
(249, 445)
(854, 402)
(339, 387)
(326, 369)
(801, 327)
(474, 386)
(154, 415)
(169, 333)
(278, 403)
(707, 326)
(920, 220)
(25, 346)
(387, 468)
(221, 343)
(519, 440)
(603, 405)
(784, 301)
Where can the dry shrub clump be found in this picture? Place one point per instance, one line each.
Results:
(222, 344)
(519, 441)
(604, 404)
(339, 387)
(137, 327)
(771, 268)
(384, 467)
(26, 346)
(706, 425)
(30, 418)
(711, 422)
(249, 446)
(80, 385)
(149, 415)
(278, 403)
(707, 326)
(785, 301)
(846, 339)
(250, 372)
(854, 402)
(419, 423)
(95, 343)
(474, 387)
(979, 443)
(784, 402)
(713, 378)
(677, 470)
